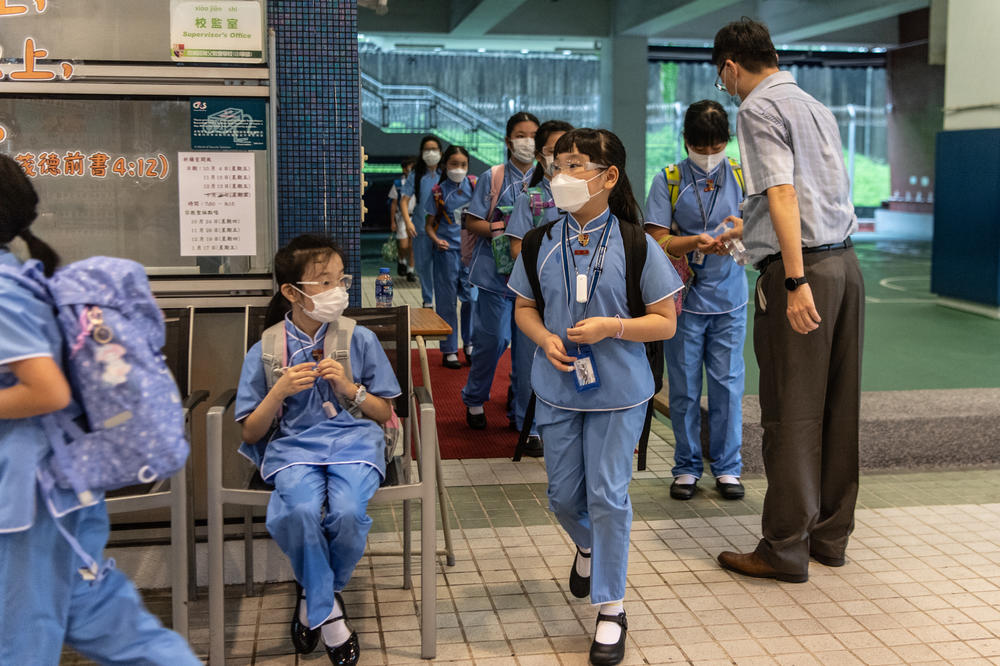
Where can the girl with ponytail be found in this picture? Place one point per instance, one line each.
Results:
(46, 601)
(591, 378)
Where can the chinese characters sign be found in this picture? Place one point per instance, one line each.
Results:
(31, 51)
(217, 204)
(227, 123)
(216, 31)
(95, 165)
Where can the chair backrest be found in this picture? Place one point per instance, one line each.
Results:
(390, 325)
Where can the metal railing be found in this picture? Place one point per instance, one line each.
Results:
(418, 109)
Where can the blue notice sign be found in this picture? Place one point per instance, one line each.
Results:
(228, 123)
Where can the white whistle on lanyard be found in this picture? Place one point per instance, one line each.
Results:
(581, 288)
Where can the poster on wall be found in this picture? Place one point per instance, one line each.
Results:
(228, 123)
(217, 207)
(225, 32)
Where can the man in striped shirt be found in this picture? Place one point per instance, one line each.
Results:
(809, 315)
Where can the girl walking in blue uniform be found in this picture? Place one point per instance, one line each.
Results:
(46, 601)
(315, 435)
(531, 209)
(444, 212)
(590, 373)
(493, 321)
(418, 185)
(686, 204)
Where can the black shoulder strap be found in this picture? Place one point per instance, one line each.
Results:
(634, 240)
(530, 246)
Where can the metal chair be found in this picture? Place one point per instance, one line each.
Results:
(392, 327)
(172, 493)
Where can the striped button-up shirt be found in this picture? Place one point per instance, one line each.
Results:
(787, 137)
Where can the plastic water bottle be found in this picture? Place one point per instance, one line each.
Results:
(734, 245)
(383, 288)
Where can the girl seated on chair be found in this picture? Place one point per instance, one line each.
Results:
(313, 430)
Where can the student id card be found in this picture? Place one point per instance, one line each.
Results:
(585, 370)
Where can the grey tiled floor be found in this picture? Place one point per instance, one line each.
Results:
(922, 583)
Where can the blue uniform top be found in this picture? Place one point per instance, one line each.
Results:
(483, 270)
(720, 284)
(305, 435)
(428, 181)
(455, 197)
(622, 368)
(522, 221)
(28, 329)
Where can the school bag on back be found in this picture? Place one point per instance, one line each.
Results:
(132, 427)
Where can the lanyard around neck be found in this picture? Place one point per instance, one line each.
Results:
(697, 195)
(596, 263)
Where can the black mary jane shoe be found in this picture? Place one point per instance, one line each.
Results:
(579, 585)
(303, 638)
(534, 448)
(475, 421)
(608, 654)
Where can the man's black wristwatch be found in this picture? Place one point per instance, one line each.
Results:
(791, 284)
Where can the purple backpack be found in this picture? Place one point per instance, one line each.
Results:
(132, 428)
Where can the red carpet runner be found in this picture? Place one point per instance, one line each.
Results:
(455, 438)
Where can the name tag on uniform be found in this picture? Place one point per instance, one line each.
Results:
(697, 258)
(585, 370)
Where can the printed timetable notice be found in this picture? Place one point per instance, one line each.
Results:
(217, 205)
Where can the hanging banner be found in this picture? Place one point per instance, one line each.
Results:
(217, 204)
(216, 31)
(228, 123)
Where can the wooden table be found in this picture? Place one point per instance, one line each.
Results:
(425, 324)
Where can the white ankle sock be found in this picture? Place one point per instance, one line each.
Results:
(335, 633)
(451, 357)
(685, 479)
(609, 632)
(476, 410)
(303, 614)
(727, 478)
(583, 563)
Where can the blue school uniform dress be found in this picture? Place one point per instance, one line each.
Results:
(451, 278)
(46, 602)
(590, 435)
(493, 321)
(422, 245)
(324, 470)
(712, 326)
(521, 222)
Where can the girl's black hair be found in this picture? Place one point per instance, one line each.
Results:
(545, 130)
(603, 147)
(18, 209)
(290, 265)
(421, 168)
(706, 124)
(452, 150)
(519, 117)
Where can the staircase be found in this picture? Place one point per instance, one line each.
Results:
(400, 109)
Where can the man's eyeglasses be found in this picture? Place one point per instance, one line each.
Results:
(719, 85)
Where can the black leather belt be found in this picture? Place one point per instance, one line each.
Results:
(766, 261)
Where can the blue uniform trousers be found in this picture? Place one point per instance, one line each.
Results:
(423, 248)
(451, 282)
(588, 458)
(317, 515)
(46, 603)
(715, 342)
(492, 326)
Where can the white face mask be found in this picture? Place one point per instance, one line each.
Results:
(431, 157)
(457, 175)
(523, 149)
(707, 163)
(569, 193)
(327, 305)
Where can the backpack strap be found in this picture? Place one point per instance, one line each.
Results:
(273, 353)
(673, 174)
(738, 172)
(530, 246)
(337, 345)
(496, 182)
(472, 180)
